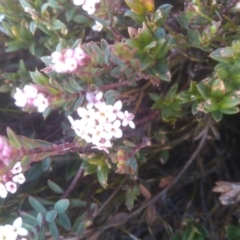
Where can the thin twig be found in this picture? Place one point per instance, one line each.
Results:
(110, 198)
(74, 182)
(176, 179)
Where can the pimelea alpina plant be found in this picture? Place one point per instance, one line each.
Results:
(110, 94)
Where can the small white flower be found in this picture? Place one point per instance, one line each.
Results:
(97, 134)
(127, 120)
(30, 91)
(7, 233)
(3, 192)
(19, 178)
(60, 67)
(113, 130)
(78, 2)
(93, 99)
(89, 7)
(114, 111)
(41, 102)
(88, 116)
(103, 145)
(16, 168)
(97, 27)
(11, 187)
(17, 224)
(20, 97)
(78, 54)
(56, 57)
(71, 64)
(102, 113)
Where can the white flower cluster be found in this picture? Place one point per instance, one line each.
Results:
(100, 122)
(13, 232)
(69, 60)
(87, 5)
(30, 97)
(10, 180)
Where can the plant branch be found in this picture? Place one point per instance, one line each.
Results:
(176, 179)
(73, 184)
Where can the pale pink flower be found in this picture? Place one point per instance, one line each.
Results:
(60, 67)
(71, 64)
(127, 120)
(19, 178)
(16, 168)
(79, 54)
(30, 91)
(69, 53)
(56, 57)
(41, 102)
(93, 99)
(11, 187)
(20, 98)
(3, 191)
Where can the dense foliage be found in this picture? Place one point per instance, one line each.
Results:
(118, 117)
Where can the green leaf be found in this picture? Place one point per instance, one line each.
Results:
(46, 164)
(102, 174)
(229, 102)
(149, 46)
(232, 110)
(211, 104)
(131, 196)
(204, 90)
(161, 71)
(218, 56)
(172, 91)
(41, 234)
(40, 219)
(13, 138)
(154, 97)
(233, 232)
(218, 88)
(133, 163)
(64, 221)
(217, 115)
(75, 84)
(68, 87)
(51, 216)
(39, 78)
(28, 218)
(37, 205)
(53, 230)
(25, 4)
(55, 187)
(146, 62)
(35, 172)
(136, 17)
(56, 24)
(61, 205)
